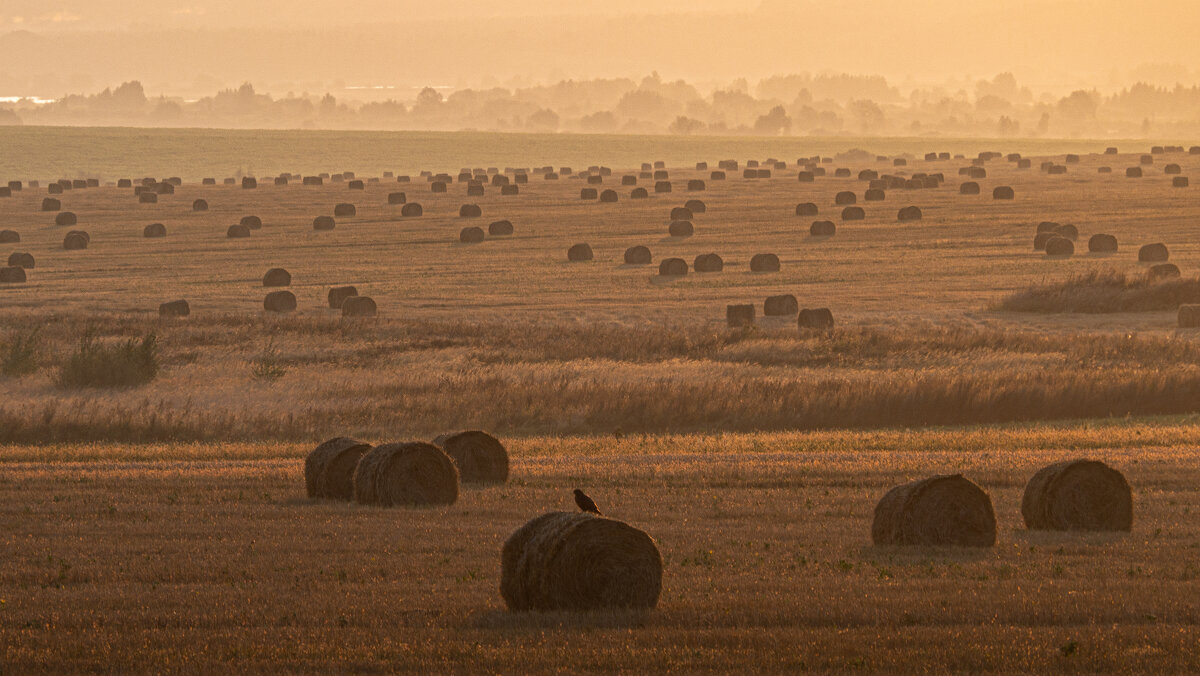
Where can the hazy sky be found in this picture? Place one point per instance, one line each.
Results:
(83, 45)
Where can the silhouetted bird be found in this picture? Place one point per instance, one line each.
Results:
(585, 503)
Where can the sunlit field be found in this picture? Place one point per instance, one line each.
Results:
(166, 525)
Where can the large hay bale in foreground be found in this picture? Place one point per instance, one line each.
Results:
(1153, 253)
(20, 259)
(277, 277)
(739, 316)
(1189, 316)
(1059, 246)
(359, 306)
(1078, 495)
(154, 230)
(413, 473)
(329, 468)
(781, 305)
(280, 301)
(815, 318)
(1003, 192)
(938, 511)
(580, 252)
(764, 262)
(608, 196)
(1101, 243)
(576, 561)
(638, 255)
(174, 308)
(479, 456)
(672, 267)
(339, 294)
(12, 275)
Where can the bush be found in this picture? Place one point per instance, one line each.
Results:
(124, 364)
(1102, 291)
(268, 365)
(21, 354)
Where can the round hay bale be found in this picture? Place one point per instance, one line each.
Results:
(344, 210)
(324, 223)
(1153, 253)
(329, 468)
(1133, 172)
(237, 231)
(252, 222)
(500, 228)
(470, 211)
(9, 237)
(1047, 226)
(588, 194)
(356, 185)
(479, 456)
(739, 316)
(681, 229)
(702, 166)
(1003, 192)
(575, 561)
(580, 252)
(51, 204)
(312, 180)
(639, 255)
(1067, 230)
(1147, 159)
(65, 218)
(19, 259)
(154, 230)
(512, 189)
(696, 185)
(164, 189)
(412, 473)
(629, 180)
(945, 510)
(806, 177)
(1078, 495)
(1059, 246)
(280, 301)
(1189, 316)
(412, 209)
(595, 180)
(781, 306)
(359, 306)
(437, 187)
(672, 267)
(277, 277)
(868, 175)
(1161, 271)
(806, 209)
(397, 198)
(909, 214)
(661, 175)
(1110, 150)
(200, 205)
(1101, 243)
(54, 189)
(969, 188)
(608, 196)
(716, 176)
(662, 186)
(12, 275)
(148, 198)
(845, 197)
(249, 183)
(339, 294)
(1040, 240)
(75, 241)
(175, 308)
(1172, 169)
(874, 195)
(853, 214)
(695, 206)
(1179, 182)
(281, 180)
(764, 262)
(822, 229)
(471, 235)
(815, 318)
(709, 262)
(681, 214)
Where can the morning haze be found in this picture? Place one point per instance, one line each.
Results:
(693, 337)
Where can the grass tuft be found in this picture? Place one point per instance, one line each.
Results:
(129, 363)
(1103, 291)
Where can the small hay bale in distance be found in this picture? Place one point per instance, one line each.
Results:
(20, 259)
(65, 218)
(580, 252)
(662, 186)
(639, 194)
(324, 223)
(815, 318)
(629, 180)
(500, 228)
(681, 229)
(969, 188)
(1147, 159)
(575, 561)
(437, 187)
(344, 210)
(806, 209)
(672, 267)
(947, 510)
(174, 308)
(339, 294)
(413, 473)
(695, 206)
(709, 262)
(479, 456)
(280, 301)
(1172, 169)
(412, 209)
(54, 189)
(359, 306)
(1003, 192)
(356, 185)
(909, 214)
(51, 204)
(822, 229)
(277, 277)
(154, 230)
(874, 195)
(281, 180)
(1040, 240)
(1189, 316)
(9, 237)
(512, 189)
(200, 205)
(475, 190)
(806, 177)
(397, 198)
(716, 176)
(237, 231)
(764, 262)
(1153, 253)
(696, 185)
(1101, 243)
(1179, 182)
(681, 214)
(853, 214)
(1078, 495)
(471, 235)
(1067, 230)
(639, 255)
(312, 180)
(588, 194)
(470, 211)
(249, 183)
(1133, 172)
(608, 196)
(76, 241)
(147, 198)
(845, 197)
(12, 275)
(252, 222)
(1058, 246)
(782, 305)
(329, 469)
(739, 316)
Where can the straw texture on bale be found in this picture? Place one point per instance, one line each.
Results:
(329, 468)
(853, 214)
(1133, 172)
(154, 230)
(739, 316)
(148, 198)
(662, 186)
(781, 305)
(412, 473)
(681, 214)
(696, 206)
(359, 306)
(470, 211)
(672, 267)
(845, 197)
(696, 185)
(252, 222)
(1179, 182)
(822, 228)
(1153, 253)
(75, 241)
(576, 561)
(1078, 495)
(909, 214)
(174, 308)
(339, 294)
(764, 262)
(1160, 271)
(1067, 230)
(638, 255)
(344, 209)
(580, 252)
(815, 318)
(51, 204)
(874, 195)
(608, 196)
(397, 198)
(279, 301)
(639, 194)
(200, 205)
(938, 511)
(479, 456)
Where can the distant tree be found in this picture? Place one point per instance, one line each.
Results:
(774, 123)
(868, 113)
(685, 125)
(545, 120)
(1079, 105)
(1007, 126)
(1043, 125)
(9, 117)
(602, 121)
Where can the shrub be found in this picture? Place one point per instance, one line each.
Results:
(21, 354)
(1102, 291)
(127, 363)
(267, 365)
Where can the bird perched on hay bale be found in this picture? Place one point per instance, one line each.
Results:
(344, 209)
(764, 262)
(585, 503)
(280, 301)
(1003, 192)
(174, 308)
(12, 275)
(479, 456)
(413, 473)
(938, 511)
(471, 235)
(1057, 245)
(359, 306)
(709, 262)
(815, 318)
(324, 223)
(580, 252)
(154, 230)
(637, 255)
(681, 229)
(781, 306)
(277, 277)
(237, 231)
(19, 259)
(672, 267)
(1153, 253)
(1078, 495)
(329, 468)
(739, 316)
(909, 214)
(1101, 243)
(576, 561)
